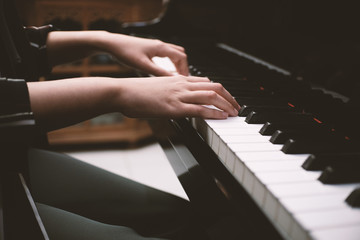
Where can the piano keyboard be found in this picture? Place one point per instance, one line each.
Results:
(300, 206)
(269, 145)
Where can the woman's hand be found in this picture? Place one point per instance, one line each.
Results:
(62, 103)
(175, 97)
(138, 52)
(63, 47)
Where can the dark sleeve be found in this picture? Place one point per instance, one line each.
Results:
(37, 37)
(17, 123)
(14, 97)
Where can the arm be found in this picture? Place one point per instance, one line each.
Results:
(64, 102)
(136, 52)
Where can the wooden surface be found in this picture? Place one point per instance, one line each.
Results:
(38, 12)
(131, 131)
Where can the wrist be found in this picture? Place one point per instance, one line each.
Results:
(98, 40)
(115, 91)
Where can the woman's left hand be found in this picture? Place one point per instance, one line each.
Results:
(138, 53)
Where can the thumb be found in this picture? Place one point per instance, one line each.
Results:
(156, 68)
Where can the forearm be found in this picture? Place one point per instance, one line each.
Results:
(135, 52)
(63, 47)
(61, 103)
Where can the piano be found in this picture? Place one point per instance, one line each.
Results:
(288, 167)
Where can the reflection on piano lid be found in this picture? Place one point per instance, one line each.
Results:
(296, 149)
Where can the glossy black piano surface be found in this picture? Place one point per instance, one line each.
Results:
(301, 94)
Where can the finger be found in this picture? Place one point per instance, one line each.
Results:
(151, 68)
(218, 88)
(193, 110)
(182, 66)
(194, 79)
(177, 47)
(210, 98)
(178, 58)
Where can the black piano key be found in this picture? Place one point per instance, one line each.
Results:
(232, 80)
(213, 71)
(320, 161)
(306, 145)
(278, 117)
(281, 136)
(259, 101)
(270, 127)
(236, 87)
(354, 198)
(340, 173)
(244, 92)
(247, 109)
(254, 94)
(237, 90)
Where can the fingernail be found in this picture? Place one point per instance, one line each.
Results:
(235, 112)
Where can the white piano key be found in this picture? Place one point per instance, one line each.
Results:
(254, 130)
(224, 123)
(273, 172)
(270, 155)
(254, 168)
(298, 232)
(312, 221)
(259, 192)
(244, 138)
(215, 143)
(308, 188)
(351, 232)
(222, 151)
(290, 206)
(256, 185)
(230, 160)
(165, 63)
(271, 206)
(239, 171)
(276, 192)
(254, 147)
(315, 202)
(217, 137)
(205, 131)
(265, 176)
(248, 180)
(270, 166)
(284, 220)
(284, 176)
(225, 140)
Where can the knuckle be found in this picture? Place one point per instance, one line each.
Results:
(211, 95)
(199, 111)
(218, 86)
(206, 79)
(183, 55)
(203, 79)
(181, 48)
(183, 79)
(157, 41)
(178, 57)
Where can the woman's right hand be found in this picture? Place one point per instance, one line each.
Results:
(174, 97)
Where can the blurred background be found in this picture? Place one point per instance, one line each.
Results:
(107, 15)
